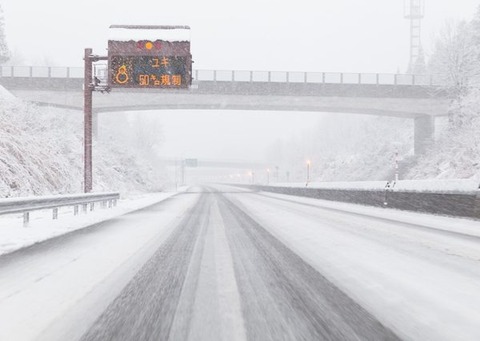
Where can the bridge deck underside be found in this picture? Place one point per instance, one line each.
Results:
(190, 100)
(421, 103)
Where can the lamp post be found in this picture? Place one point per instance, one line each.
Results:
(308, 172)
(268, 176)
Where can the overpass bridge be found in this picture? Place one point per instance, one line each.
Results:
(222, 164)
(418, 97)
(211, 170)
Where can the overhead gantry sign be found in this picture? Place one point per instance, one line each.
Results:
(150, 57)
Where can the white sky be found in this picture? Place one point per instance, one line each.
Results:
(304, 35)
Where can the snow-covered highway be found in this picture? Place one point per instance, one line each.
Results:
(222, 263)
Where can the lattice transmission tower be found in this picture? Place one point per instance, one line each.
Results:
(414, 11)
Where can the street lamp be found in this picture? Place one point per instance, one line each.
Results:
(308, 172)
(268, 176)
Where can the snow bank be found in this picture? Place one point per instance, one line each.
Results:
(451, 185)
(14, 236)
(6, 95)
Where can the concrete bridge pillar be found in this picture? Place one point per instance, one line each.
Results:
(424, 133)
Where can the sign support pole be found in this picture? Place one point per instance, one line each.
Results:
(87, 120)
(88, 88)
(119, 52)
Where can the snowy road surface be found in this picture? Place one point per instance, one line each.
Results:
(220, 263)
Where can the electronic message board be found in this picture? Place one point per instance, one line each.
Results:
(139, 62)
(149, 72)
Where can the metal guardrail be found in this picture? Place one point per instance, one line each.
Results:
(244, 76)
(27, 205)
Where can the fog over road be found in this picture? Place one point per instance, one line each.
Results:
(209, 264)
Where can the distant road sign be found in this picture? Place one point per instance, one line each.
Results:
(154, 61)
(191, 163)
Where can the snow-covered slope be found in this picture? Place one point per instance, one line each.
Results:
(41, 152)
(456, 152)
(362, 148)
(344, 148)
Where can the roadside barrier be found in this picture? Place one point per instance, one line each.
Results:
(458, 203)
(27, 205)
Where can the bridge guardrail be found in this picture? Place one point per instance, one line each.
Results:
(245, 76)
(27, 205)
(319, 77)
(41, 72)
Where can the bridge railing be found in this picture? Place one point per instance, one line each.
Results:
(318, 77)
(41, 71)
(247, 76)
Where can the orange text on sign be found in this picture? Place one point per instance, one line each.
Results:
(161, 80)
(157, 62)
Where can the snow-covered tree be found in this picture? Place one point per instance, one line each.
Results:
(474, 28)
(454, 56)
(345, 148)
(4, 51)
(456, 152)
